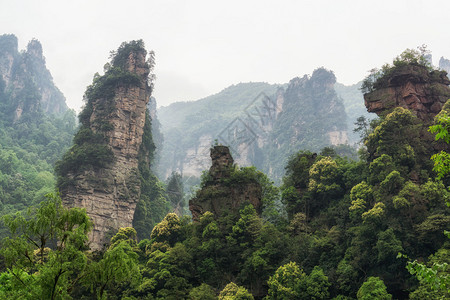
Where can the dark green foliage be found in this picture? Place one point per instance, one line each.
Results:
(89, 151)
(152, 205)
(175, 193)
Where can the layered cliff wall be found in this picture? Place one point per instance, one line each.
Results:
(101, 171)
(414, 87)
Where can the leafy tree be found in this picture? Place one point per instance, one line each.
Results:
(234, 292)
(168, 230)
(45, 255)
(373, 288)
(118, 265)
(290, 282)
(202, 292)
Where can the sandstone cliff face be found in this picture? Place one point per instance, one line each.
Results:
(110, 193)
(414, 88)
(25, 74)
(220, 194)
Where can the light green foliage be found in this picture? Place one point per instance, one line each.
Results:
(167, 274)
(234, 292)
(126, 234)
(434, 278)
(169, 229)
(373, 288)
(290, 282)
(118, 265)
(26, 252)
(317, 284)
(323, 176)
(202, 292)
(379, 168)
(298, 224)
(398, 135)
(434, 192)
(375, 213)
(360, 195)
(441, 159)
(247, 228)
(407, 196)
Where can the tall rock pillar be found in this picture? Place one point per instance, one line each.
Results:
(104, 179)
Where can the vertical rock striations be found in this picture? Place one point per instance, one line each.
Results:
(100, 172)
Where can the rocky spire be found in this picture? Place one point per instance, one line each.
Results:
(106, 180)
(221, 192)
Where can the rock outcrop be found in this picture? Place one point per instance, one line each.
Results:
(27, 80)
(110, 191)
(412, 87)
(222, 194)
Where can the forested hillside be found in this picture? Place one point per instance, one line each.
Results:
(261, 123)
(335, 228)
(35, 126)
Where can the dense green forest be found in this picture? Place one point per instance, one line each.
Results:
(335, 228)
(35, 126)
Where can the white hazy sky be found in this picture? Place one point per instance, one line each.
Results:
(204, 46)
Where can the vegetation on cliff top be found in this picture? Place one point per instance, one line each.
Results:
(90, 149)
(410, 61)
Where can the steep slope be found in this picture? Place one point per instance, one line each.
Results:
(189, 128)
(108, 164)
(261, 123)
(27, 81)
(353, 101)
(312, 117)
(35, 126)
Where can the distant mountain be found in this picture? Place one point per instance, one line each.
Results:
(36, 126)
(26, 80)
(444, 64)
(189, 128)
(262, 123)
(353, 100)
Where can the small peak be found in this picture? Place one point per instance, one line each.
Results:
(9, 43)
(34, 48)
(222, 161)
(324, 76)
